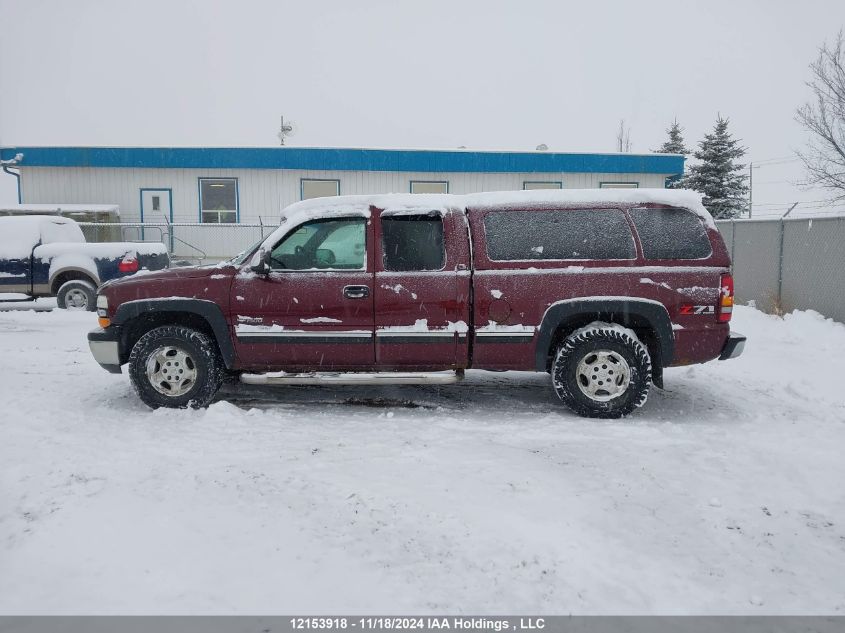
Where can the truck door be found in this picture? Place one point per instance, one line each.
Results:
(15, 274)
(18, 236)
(421, 290)
(315, 309)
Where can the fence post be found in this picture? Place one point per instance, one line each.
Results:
(780, 268)
(780, 257)
(733, 239)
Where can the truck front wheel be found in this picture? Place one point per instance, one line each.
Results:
(602, 370)
(177, 367)
(77, 294)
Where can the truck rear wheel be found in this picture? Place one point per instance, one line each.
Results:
(77, 294)
(602, 371)
(176, 367)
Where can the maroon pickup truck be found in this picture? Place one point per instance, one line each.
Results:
(601, 289)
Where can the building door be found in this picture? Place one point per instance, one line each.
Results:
(156, 205)
(156, 208)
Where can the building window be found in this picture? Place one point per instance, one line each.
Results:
(218, 200)
(429, 186)
(618, 185)
(318, 188)
(530, 185)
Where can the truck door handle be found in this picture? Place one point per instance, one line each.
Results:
(356, 292)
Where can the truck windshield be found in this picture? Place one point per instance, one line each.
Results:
(241, 257)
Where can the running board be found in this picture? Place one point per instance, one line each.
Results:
(354, 378)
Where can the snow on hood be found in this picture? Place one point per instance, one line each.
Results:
(170, 274)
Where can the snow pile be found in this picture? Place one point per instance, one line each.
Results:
(724, 494)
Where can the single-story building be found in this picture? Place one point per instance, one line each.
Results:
(245, 184)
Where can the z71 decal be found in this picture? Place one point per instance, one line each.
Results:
(688, 308)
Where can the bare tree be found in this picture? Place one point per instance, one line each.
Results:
(824, 117)
(623, 137)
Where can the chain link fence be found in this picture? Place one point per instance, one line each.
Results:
(189, 243)
(788, 264)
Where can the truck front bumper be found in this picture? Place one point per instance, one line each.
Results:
(105, 347)
(733, 346)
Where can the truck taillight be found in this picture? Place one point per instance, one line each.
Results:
(129, 264)
(726, 298)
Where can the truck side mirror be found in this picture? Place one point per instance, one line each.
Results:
(260, 262)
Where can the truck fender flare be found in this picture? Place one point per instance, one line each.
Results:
(86, 272)
(621, 310)
(208, 310)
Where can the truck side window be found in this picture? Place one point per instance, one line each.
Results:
(574, 234)
(671, 234)
(413, 242)
(323, 244)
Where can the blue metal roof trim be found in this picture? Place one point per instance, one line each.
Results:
(335, 159)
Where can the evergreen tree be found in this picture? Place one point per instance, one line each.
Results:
(718, 176)
(674, 145)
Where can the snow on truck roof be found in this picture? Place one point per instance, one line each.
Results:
(360, 204)
(19, 233)
(338, 206)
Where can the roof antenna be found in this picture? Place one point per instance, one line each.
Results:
(285, 130)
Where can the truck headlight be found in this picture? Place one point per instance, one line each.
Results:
(103, 311)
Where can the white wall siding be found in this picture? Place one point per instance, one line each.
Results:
(264, 192)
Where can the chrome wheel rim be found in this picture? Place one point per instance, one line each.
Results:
(171, 371)
(76, 299)
(603, 375)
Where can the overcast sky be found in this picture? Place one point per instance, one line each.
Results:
(486, 75)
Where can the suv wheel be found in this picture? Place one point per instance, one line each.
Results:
(602, 371)
(175, 366)
(77, 294)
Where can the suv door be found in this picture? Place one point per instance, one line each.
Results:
(421, 290)
(314, 310)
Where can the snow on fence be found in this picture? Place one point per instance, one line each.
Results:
(788, 264)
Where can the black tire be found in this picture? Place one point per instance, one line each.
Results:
(588, 346)
(205, 367)
(77, 294)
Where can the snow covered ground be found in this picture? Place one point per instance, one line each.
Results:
(724, 494)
